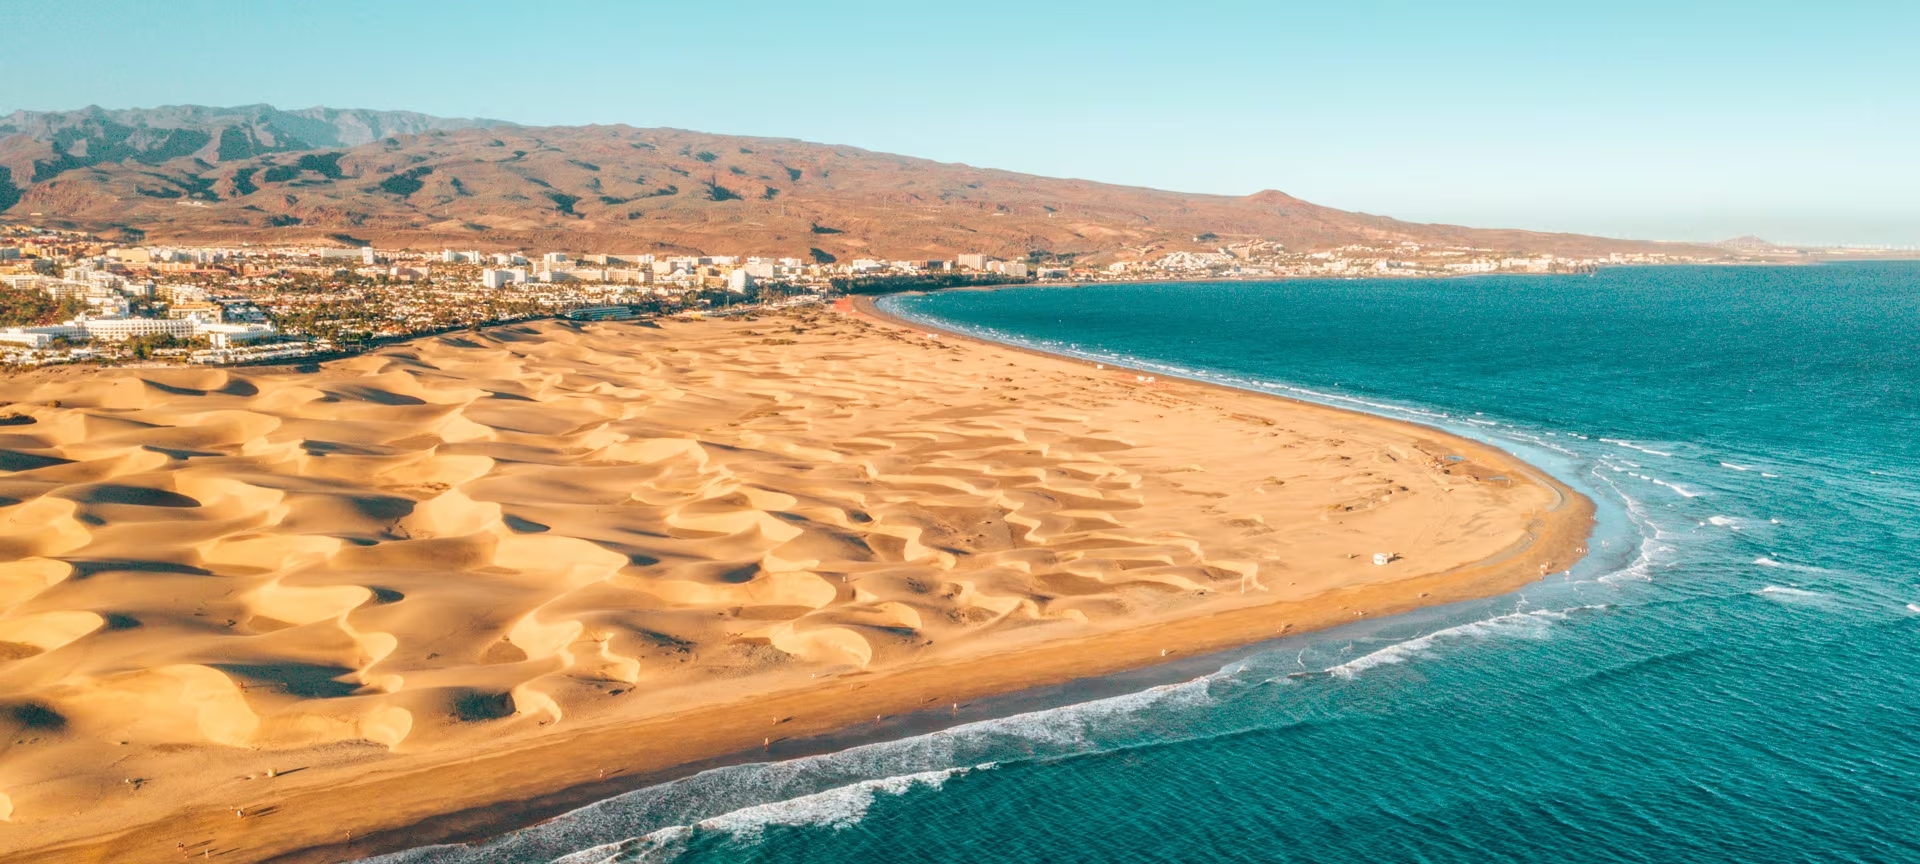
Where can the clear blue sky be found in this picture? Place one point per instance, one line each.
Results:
(1799, 122)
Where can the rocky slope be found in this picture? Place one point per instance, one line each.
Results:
(260, 175)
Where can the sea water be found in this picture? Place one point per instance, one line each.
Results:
(1732, 675)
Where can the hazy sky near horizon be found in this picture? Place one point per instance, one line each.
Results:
(1799, 122)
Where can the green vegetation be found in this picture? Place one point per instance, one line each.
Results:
(706, 156)
(324, 164)
(353, 312)
(929, 282)
(717, 192)
(144, 347)
(9, 193)
(23, 308)
(406, 182)
(243, 181)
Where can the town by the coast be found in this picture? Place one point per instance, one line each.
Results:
(73, 297)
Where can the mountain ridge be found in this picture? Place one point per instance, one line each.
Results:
(247, 174)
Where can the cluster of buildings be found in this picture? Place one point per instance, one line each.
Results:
(1271, 260)
(246, 303)
(673, 275)
(110, 307)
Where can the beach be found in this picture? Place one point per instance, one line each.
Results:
(445, 587)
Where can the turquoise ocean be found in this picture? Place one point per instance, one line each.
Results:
(1732, 675)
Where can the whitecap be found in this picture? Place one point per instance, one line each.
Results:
(1632, 446)
(663, 845)
(1776, 564)
(752, 797)
(1681, 490)
(1521, 625)
(1787, 593)
(839, 808)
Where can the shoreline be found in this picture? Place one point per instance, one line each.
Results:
(496, 792)
(869, 307)
(1328, 277)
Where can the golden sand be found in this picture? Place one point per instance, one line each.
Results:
(243, 612)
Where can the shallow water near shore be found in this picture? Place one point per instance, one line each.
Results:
(1731, 674)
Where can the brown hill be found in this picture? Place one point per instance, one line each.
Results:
(617, 188)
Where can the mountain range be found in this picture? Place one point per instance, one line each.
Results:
(258, 174)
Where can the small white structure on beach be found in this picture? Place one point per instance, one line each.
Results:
(1380, 559)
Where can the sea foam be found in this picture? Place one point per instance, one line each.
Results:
(1533, 625)
(838, 809)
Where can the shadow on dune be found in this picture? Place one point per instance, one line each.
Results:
(374, 395)
(177, 453)
(523, 526)
(14, 460)
(383, 507)
(18, 420)
(636, 557)
(516, 334)
(170, 388)
(306, 680)
(85, 568)
(475, 705)
(138, 496)
(36, 716)
(316, 447)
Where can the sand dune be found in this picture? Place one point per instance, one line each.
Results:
(472, 543)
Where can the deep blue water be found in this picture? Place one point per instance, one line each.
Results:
(1734, 675)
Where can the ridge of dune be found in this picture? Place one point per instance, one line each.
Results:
(469, 543)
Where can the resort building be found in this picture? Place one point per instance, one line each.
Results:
(502, 278)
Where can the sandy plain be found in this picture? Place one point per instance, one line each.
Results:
(459, 582)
